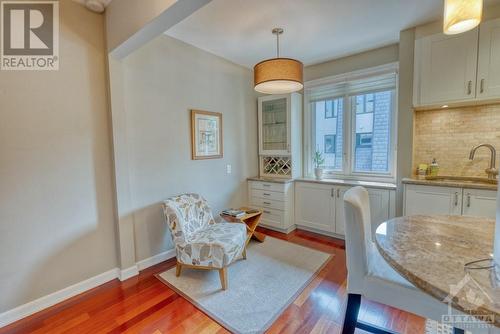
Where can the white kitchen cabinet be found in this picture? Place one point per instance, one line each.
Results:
(275, 199)
(379, 208)
(320, 207)
(479, 202)
(488, 73)
(432, 200)
(445, 68)
(458, 69)
(315, 206)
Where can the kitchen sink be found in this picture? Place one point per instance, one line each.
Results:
(465, 179)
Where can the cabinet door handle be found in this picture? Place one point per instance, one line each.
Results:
(338, 193)
(469, 87)
(268, 212)
(288, 147)
(481, 86)
(456, 198)
(468, 200)
(332, 193)
(266, 194)
(267, 203)
(266, 185)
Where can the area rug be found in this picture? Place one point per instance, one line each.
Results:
(260, 287)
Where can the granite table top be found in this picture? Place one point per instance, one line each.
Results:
(431, 253)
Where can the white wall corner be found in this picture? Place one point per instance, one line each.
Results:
(128, 273)
(158, 258)
(44, 302)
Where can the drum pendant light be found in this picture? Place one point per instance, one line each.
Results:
(278, 75)
(461, 15)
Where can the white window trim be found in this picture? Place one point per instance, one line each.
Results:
(348, 144)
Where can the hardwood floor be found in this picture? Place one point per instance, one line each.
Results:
(143, 304)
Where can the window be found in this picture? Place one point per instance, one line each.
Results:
(328, 131)
(329, 144)
(352, 125)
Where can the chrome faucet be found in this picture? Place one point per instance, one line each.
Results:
(492, 171)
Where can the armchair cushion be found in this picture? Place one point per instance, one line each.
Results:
(215, 246)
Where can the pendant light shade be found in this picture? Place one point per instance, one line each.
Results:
(278, 75)
(461, 15)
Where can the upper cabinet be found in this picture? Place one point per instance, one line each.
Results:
(451, 69)
(488, 71)
(280, 135)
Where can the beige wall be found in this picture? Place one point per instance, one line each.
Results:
(449, 134)
(376, 57)
(161, 82)
(56, 195)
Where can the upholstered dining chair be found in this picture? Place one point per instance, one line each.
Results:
(370, 276)
(200, 242)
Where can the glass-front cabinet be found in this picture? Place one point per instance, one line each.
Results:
(280, 135)
(274, 119)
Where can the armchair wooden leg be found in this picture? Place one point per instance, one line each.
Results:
(223, 278)
(244, 253)
(178, 269)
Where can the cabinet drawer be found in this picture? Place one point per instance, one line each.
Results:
(270, 186)
(272, 217)
(267, 203)
(266, 194)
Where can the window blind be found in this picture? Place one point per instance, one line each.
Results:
(352, 86)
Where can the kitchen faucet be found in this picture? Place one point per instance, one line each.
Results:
(492, 171)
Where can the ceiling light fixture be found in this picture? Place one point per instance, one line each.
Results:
(278, 75)
(461, 15)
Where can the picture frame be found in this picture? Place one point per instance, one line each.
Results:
(206, 135)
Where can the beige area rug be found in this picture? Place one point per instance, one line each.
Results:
(260, 288)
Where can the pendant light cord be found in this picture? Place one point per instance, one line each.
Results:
(278, 45)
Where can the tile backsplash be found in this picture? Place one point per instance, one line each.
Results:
(449, 134)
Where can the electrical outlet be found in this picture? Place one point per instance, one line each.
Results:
(229, 169)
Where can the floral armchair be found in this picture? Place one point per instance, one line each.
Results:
(200, 242)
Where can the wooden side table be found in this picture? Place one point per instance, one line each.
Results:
(252, 220)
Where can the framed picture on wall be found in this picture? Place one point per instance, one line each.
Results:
(206, 135)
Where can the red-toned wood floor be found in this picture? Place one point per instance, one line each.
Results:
(143, 304)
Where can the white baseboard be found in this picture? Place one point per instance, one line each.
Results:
(56, 297)
(151, 261)
(128, 272)
(44, 302)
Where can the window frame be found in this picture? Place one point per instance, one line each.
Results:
(349, 132)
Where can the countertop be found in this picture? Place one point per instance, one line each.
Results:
(431, 251)
(368, 184)
(269, 179)
(449, 183)
(379, 185)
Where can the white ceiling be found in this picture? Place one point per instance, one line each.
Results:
(315, 30)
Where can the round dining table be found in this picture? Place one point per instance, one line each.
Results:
(447, 257)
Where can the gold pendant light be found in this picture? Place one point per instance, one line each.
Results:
(461, 15)
(278, 75)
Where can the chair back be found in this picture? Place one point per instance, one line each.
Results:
(185, 215)
(357, 236)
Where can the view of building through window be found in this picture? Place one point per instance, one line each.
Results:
(371, 131)
(329, 114)
(373, 116)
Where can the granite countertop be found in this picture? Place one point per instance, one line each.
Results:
(451, 183)
(431, 251)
